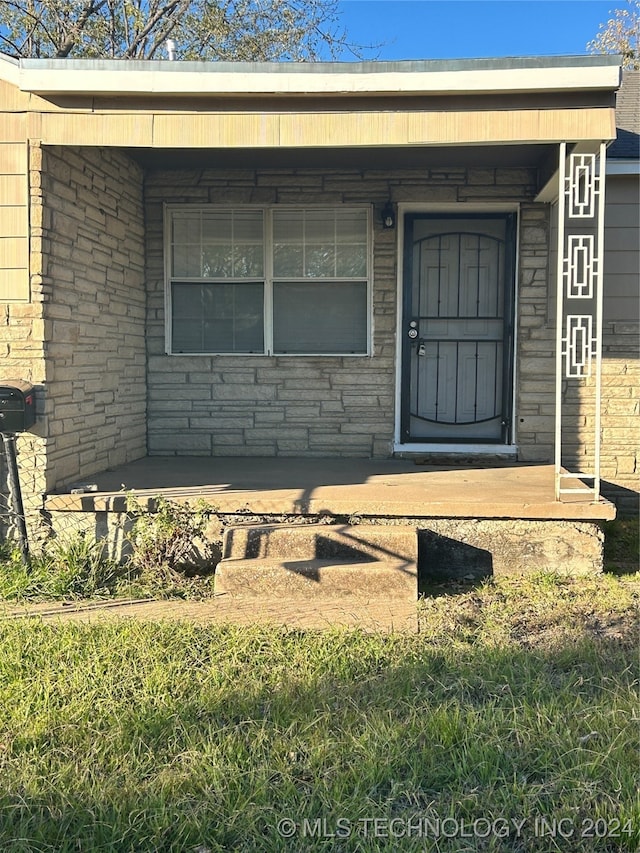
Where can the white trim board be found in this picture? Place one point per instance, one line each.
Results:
(459, 449)
(162, 77)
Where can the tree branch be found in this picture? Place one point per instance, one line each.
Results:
(164, 11)
(91, 7)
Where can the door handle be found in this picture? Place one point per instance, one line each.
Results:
(412, 331)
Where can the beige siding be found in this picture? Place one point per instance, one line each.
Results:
(622, 248)
(312, 129)
(14, 222)
(621, 343)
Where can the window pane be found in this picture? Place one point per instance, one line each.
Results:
(248, 261)
(247, 226)
(327, 317)
(351, 226)
(186, 261)
(216, 227)
(351, 261)
(320, 262)
(320, 243)
(186, 227)
(217, 261)
(287, 261)
(288, 226)
(218, 244)
(320, 226)
(217, 317)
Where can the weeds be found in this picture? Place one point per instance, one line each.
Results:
(168, 557)
(169, 553)
(74, 567)
(173, 553)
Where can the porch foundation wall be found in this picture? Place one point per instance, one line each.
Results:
(92, 257)
(323, 406)
(505, 546)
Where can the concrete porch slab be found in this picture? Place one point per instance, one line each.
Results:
(338, 487)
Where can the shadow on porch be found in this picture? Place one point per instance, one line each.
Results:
(373, 529)
(338, 487)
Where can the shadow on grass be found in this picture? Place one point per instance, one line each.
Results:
(127, 750)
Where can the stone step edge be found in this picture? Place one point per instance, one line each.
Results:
(299, 541)
(380, 579)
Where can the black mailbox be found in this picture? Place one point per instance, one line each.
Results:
(17, 405)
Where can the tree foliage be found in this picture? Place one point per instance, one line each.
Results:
(620, 34)
(251, 30)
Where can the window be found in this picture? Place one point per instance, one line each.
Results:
(278, 281)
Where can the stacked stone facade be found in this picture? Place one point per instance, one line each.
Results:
(92, 338)
(93, 250)
(307, 405)
(81, 338)
(620, 463)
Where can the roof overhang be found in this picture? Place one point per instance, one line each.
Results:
(434, 77)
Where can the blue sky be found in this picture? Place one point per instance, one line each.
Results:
(452, 29)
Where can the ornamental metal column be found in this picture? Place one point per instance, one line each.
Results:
(579, 306)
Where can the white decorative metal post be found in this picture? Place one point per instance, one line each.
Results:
(579, 301)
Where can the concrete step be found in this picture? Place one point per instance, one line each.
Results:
(367, 561)
(305, 579)
(343, 542)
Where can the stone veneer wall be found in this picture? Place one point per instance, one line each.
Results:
(81, 338)
(620, 468)
(22, 348)
(93, 254)
(327, 406)
(535, 359)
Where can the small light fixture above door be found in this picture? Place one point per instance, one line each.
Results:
(388, 216)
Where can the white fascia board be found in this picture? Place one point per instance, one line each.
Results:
(181, 81)
(9, 69)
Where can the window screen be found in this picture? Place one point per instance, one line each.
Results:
(217, 318)
(327, 317)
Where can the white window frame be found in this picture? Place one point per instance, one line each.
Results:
(267, 211)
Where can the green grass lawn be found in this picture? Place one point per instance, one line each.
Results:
(509, 723)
